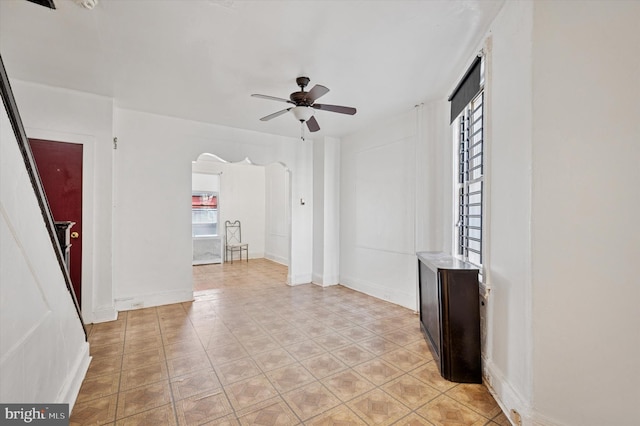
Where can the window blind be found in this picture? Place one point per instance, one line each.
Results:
(467, 89)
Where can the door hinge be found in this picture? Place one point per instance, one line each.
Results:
(115, 143)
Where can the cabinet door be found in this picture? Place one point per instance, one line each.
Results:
(430, 308)
(461, 360)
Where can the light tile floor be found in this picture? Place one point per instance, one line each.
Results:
(251, 350)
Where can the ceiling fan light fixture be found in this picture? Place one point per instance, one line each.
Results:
(302, 113)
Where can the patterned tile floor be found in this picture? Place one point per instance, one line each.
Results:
(251, 350)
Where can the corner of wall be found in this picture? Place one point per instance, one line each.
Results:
(71, 388)
(299, 279)
(507, 397)
(105, 314)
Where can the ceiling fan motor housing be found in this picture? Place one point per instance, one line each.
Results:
(300, 98)
(302, 82)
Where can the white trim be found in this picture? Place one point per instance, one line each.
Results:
(509, 399)
(153, 299)
(538, 419)
(275, 258)
(105, 314)
(331, 280)
(88, 143)
(255, 255)
(325, 281)
(71, 388)
(504, 393)
(299, 279)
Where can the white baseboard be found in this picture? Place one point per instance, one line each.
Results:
(316, 279)
(69, 392)
(540, 420)
(153, 299)
(508, 398)
(332, 280)
(505, 395)
(299, 279)
(325, 281)
(278, 259)
(325, 285)
(390, 295)
(105, 315)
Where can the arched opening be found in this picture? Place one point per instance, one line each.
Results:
(258, 196)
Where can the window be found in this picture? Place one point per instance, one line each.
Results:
(204, 214)
(470, 170)
(467, 116)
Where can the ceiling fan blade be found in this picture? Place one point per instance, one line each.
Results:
(312, 124)
(275, 114)
(315, 93)
(335, 108)
(271, 98)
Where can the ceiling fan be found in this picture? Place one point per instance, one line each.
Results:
(304, 104)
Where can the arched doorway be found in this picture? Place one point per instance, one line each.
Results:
(259, 196)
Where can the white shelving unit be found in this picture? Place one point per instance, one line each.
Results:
(207, 243)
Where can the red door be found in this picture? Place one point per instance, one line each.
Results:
(60, 167)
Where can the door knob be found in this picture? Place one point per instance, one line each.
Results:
(74, 235)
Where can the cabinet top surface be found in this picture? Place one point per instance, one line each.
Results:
(438, 260)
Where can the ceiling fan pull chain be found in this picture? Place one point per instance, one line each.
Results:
(302, 130)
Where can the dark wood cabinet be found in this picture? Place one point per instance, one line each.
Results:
(449, 295)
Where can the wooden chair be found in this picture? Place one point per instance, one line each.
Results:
(233, 240)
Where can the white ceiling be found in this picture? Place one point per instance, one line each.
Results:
(202, 59)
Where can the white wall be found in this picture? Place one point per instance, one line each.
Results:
(318, 211)
(70, 116)
(153, 166)
(242, 197)
(562, 142)
(507, 260)
(278, 213)
(395, 199)
(585, 245)
(326, 211)
(43, 352)
(331, 212)
(434, 187)
(377, 210)
(203, 182)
